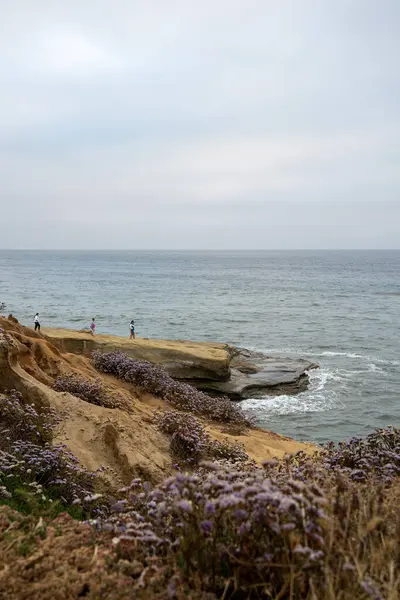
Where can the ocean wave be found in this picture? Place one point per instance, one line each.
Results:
(371, 360)
(346, 354)
(394, 363)
(328, 354)
(310, 353)
(280, 351)
(363, 357)
(328, 390)
(318, 398)
(375, 369)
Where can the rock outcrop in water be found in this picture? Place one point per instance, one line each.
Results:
(254, 375)
(216, 368)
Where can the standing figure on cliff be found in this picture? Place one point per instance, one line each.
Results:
(132, 330)
(93, 326)
(37, 322)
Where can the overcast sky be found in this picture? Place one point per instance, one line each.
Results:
(199, 124)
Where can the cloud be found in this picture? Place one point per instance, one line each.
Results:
(209, 170)
(64, 53)
(213, 118)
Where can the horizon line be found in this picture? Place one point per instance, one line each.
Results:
(199, 249)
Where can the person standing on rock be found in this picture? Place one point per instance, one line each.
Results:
(37, 322)
(132, 330)
(93, 327)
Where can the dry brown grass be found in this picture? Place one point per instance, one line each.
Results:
(63, 559)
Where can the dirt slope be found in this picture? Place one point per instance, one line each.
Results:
(123, 441)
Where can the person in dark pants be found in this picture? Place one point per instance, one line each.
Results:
(37, 322)
(132, 330)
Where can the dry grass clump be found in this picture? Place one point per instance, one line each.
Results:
(57, 559)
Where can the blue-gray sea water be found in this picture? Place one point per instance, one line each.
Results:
(338, 308)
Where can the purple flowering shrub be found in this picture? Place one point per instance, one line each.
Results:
(225, 450)
(188, 438)
(92, 391)
(85, 389)
(305, 527)
(170, 421)
(226, 529)
(30, 466)
(292, 529)
(190, 442)
(375, 457)
(155, 380)
(19, 421)
(50, 470)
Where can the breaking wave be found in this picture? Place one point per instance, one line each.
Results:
(320, 396)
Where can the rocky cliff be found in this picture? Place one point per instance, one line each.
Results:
(124, 440)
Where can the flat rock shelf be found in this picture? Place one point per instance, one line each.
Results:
(254, 375)
(216, 368)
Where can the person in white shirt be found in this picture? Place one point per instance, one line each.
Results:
(132, 330)
(37, 322)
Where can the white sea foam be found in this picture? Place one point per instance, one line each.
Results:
(394, 363)
(328, 354)
(304, 352)
(329, 386)
(345, 354)
(375, 369)
(364, 357)
(319, 397)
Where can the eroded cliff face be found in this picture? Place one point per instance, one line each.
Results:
(124, 441)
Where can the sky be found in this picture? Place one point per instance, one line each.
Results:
(220, 124)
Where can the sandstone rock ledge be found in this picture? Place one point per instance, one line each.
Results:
(182, 359)
(216, 368)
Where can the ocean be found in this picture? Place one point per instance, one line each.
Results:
(339, 308)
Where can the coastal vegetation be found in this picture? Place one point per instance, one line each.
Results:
(154, 379)
(217, 524)
(35, 475)
(190, 442)
(90, 390)
(320, 526)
